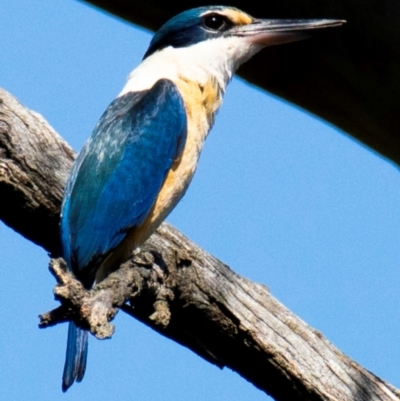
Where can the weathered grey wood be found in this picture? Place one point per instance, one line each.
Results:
(348, 76)
(32, 173)
(175, 287)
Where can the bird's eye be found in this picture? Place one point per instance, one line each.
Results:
(216, 22)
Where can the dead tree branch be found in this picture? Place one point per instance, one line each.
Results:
(172, 285)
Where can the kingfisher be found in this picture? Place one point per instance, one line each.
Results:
(143, 152)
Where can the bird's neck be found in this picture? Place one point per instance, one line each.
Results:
(200, 84)
(200, 63)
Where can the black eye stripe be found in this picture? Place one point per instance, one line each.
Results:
(216, 22)
(191, 27)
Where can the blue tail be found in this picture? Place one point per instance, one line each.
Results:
(75, 359)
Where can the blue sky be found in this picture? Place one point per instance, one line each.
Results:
(280, 196)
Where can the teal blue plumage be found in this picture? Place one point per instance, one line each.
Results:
(113, 185)
(118, 174)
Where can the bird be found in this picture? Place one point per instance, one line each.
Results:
(142, 154)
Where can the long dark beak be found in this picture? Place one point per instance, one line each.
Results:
(275, 32)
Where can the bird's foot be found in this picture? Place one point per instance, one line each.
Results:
(91, 310)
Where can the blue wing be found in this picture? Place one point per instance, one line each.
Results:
(118, 174)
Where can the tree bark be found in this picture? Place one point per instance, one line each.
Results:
(172, 285)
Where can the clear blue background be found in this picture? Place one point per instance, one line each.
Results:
(280, 196)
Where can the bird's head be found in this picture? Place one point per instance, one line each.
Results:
(220, 34)
(215, 41)
(206, 24)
